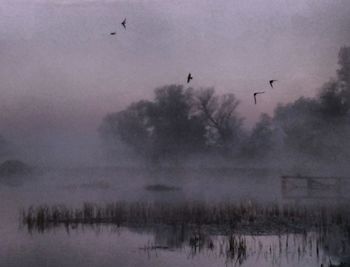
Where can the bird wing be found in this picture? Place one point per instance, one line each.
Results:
(271, 82)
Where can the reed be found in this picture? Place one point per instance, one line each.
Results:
(242, 216)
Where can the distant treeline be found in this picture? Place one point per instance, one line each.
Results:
(180, 122)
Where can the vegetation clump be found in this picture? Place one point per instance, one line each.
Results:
(14, 168)
(161, 188)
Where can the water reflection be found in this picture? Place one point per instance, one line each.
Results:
(237, 248)
(295, 249)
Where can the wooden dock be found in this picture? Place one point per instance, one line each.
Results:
(313, 187)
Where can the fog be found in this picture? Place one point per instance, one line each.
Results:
(89, 119)
(61, 72)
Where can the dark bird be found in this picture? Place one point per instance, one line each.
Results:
(113, 33)
(271, 82)
(257, 93)
(189, 77)
(124, 23)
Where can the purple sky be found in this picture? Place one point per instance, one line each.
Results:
(61, 71)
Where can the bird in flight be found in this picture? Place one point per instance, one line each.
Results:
(113, 33)
(271, 82)
(257, 93)
(189, 77)
(124, 23)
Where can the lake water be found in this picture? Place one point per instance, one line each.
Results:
(108, 245)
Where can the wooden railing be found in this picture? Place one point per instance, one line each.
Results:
(311, 187)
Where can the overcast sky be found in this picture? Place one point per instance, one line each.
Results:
(61, 71)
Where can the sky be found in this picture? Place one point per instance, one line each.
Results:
(61, 71)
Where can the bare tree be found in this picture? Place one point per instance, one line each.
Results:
(222, 122)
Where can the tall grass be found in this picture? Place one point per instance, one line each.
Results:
(250, 217)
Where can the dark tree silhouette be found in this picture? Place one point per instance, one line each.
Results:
(131, 126)
(318, 126)
(301, 124)
(220, 115)
(262, 140)
(164, 127)
(344, 62)
(176, 130)
(335, 95)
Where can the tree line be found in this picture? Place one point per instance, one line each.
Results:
(184, 121)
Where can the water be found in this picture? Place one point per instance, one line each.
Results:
(108, 245)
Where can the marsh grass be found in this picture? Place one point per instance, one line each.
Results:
(241, 217)
(235, 231)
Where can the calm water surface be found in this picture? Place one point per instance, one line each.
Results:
(159, 246)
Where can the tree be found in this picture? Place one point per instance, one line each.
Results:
(344, 62)
(219, 113)
(302, 125)
(163, 128)
(131, 126)
(335, 95)
(261, 141)
(176, 130)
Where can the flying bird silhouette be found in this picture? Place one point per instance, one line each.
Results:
(113, 33)
(257, 93)
(124, 23)
(271, 82)
(189, 77)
